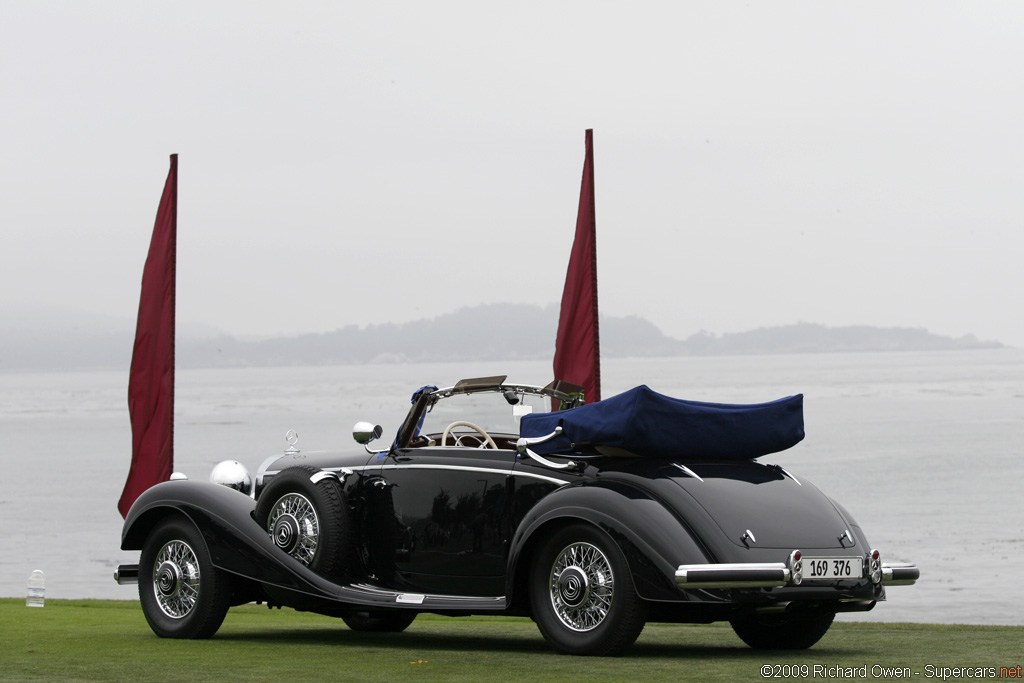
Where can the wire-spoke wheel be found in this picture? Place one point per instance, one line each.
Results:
(294, 526)
(582, 586)
(582, 593)
(176, 579)
(309, 521)
(182, 594)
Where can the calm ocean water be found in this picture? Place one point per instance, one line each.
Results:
(923, 448)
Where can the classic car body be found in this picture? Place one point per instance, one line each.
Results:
(591, 520)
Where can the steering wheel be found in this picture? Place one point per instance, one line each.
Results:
(459, 423)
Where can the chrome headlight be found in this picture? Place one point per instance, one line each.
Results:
(232, 474)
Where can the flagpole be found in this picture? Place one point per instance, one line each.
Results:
(577, 345)
(151, 377)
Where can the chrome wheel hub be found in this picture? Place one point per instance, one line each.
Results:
(286, 532)
(573, 587)
(294, 526)
(581, 587)
(176, 579)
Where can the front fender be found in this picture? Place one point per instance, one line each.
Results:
(654, 541)
(224, 517)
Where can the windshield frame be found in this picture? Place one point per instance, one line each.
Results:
(570, 395)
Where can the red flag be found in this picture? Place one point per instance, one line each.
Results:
(577, 347)
(151, 380)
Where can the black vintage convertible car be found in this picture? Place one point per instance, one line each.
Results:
(592, 519)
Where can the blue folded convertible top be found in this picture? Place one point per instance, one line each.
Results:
(646, 423)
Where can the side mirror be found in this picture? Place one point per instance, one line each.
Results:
(365, 432)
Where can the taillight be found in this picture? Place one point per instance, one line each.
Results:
(796, 568)
(873, 566)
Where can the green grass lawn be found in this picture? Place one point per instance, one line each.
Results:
(94, 640)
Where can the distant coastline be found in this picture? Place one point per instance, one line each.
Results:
(486, 332)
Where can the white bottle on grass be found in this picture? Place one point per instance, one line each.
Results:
(36, 589)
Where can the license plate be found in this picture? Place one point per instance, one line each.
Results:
(832, 568)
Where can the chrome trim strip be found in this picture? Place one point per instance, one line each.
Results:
(466, 468)
(786, 474)
(458, 468)
(688, 472)
(338, 473)
(531, 475)
(323, 474)
(419, 598)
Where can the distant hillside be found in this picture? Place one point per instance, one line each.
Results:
(813, 338)
(488, 332)
(514, 331)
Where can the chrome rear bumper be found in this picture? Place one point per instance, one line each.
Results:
(745, 575)
(774, 574)
(127, 574)
(900, 574)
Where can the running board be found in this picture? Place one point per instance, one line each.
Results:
(371, 596)
(423, 601)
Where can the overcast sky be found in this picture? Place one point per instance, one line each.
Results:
(757, 163)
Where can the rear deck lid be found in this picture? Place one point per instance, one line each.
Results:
(761, 506)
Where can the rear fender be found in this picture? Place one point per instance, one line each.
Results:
(654, 541)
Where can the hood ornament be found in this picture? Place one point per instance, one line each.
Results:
(292, 437)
